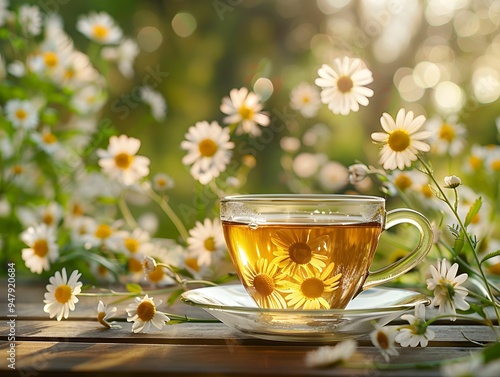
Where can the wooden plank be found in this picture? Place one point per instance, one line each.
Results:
(79, 358)
(200, 333)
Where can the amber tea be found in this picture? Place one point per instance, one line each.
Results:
(310, 266)
(298, 251)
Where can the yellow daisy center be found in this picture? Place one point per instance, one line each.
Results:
(475, 162)
(156, 275)
(383, 340)
(21, 114)
(50, 59)
(40, 248)
(102, 321)
(263, 284)
(131, 244)
(447, 132)
(246, 113)
(17, 169)
(207, 147)
(69, 73)
(300, 253)
(49, 138)
(77, 210)
(399, 140)
(312, 288)
(63, 293)
(495, 165)
(48, 219)
(344, 84)
(100, 31)
(134, 265)
(123, 160)
(103, 231)
(146, 311)
(192, 263)
(161, 182)
(101, 270)
(209, 244)
(403, 182)
(426, 190)
(306, 99)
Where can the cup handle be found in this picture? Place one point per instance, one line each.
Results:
(395, 217)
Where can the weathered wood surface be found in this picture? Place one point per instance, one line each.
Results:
(80, 346)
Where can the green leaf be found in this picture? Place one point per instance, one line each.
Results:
(174, 296)
(473, 210)
(490, 255)
(491, 353)
(458, 245)
(478, 309)
(133, 288)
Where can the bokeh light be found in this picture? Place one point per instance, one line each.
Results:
(184, 24)
(149, 38)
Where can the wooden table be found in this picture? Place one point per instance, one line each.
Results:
(80, 346)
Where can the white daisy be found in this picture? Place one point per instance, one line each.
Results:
(333, 176)
(155, 101)
(124, 55)
(448, 294)
(206, 242)
(208, 149)
(30, 19)
(492, 162)
(120, 162)
(99, 27)
(383, 339)
(61, 295)
(417, 332)
(452, 181)
(104, 314)
(143, 313)
(42, 249)
(305, 98)
(102, 234)
(448, 135)
(16, 68)
(46, 140)
(343, 85)
(244, 107)
(49, 214)
(22, 114)
(401, 139)
(331, 355)
(163, 182)
(135, 241)
(88, 100)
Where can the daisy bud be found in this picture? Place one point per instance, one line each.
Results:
(357, 173)
(149, 264)
(452, 181)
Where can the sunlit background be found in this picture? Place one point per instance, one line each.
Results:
(432, 57)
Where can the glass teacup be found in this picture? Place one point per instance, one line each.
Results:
(313, 251)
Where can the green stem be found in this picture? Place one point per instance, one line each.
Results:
(169, 212)
(467, 236)
(125, 210)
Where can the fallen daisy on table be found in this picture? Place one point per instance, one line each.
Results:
(327, 356)
(61, 295)
(104, 314)
(143, 313)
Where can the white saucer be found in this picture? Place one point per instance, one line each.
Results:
(233, 306)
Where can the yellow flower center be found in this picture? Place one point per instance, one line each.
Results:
(495, 268)
(246, 113)
(156, 275)
(131, 244)
(123, 160)
(100, 31)
(103, 231)
(48, 219)
(447, 132)
(161, 182)
(383, 340)
(102, 321)
(207, 147)
(63, 293)
(263, 284)
(209, 244)
(50, 59)
(134, 265)
(399, 140)
(69, 73)
(344, 84)
(146, 311)
(40, 248)
(77, 210)
(300, 253)
(192, 263)
(403, 182)
(49, 138)
(17, 169)
(475, 162)
(426, 190)
(312, 288)
(21, 114)
(306, 99)
(495, 165)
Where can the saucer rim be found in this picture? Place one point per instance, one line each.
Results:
(410, 302)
